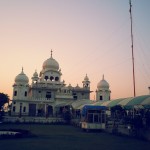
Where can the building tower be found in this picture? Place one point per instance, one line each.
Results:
(21, 87)
(35, 77)
(103, 92)
(20, 94)
(50, 70)
(86, 82)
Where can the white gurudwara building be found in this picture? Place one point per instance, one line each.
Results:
(48, 94)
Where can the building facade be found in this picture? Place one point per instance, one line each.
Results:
(47, 94)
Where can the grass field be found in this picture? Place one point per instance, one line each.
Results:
(63, 137)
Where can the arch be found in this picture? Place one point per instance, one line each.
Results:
(15, 93)
(56, 78)
(51, 78)
(48, 95)
(46, 78)
(101, 97)
(25, 93)
(49, 111)
(24, 109)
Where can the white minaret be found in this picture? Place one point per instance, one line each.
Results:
(103, 92)
(21, 87)
(35, 77)
(20, 93)
(86, 82)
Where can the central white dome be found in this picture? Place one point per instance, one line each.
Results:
(51, 63)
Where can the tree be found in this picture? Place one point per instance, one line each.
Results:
(4, 98)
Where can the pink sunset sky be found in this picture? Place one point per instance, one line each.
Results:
(86, 36)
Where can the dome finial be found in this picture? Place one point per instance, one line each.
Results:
(86, 78)
(103, 84)
(22, 70)
(51, 53)
(103, 77)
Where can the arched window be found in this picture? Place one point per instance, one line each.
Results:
(14, 109)
(25, 93)
(15, 93)
(49, 111)
(56, 78)
(46, 78)
(101, 98)
(24, 109)
(75, 96)
(51, 78)
(48, 95)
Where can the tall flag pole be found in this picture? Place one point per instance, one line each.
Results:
(130, 10)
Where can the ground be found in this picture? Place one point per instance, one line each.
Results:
(64, 137)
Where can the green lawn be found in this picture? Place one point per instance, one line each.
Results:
(61, 137)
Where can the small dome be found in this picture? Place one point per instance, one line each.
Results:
(77, 86)
(86, 78)
(35, 74)
(21, 78)
(103, 84)
(69, 86)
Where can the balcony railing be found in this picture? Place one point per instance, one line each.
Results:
(42, 99)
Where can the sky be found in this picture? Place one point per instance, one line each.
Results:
(87, 37)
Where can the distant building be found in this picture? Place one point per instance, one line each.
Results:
(103, 91)
(48, 94)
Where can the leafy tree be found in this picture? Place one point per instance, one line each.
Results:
(4, 98)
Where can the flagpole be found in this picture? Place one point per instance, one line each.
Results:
(130, 10)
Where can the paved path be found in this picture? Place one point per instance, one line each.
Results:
(58, 137)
